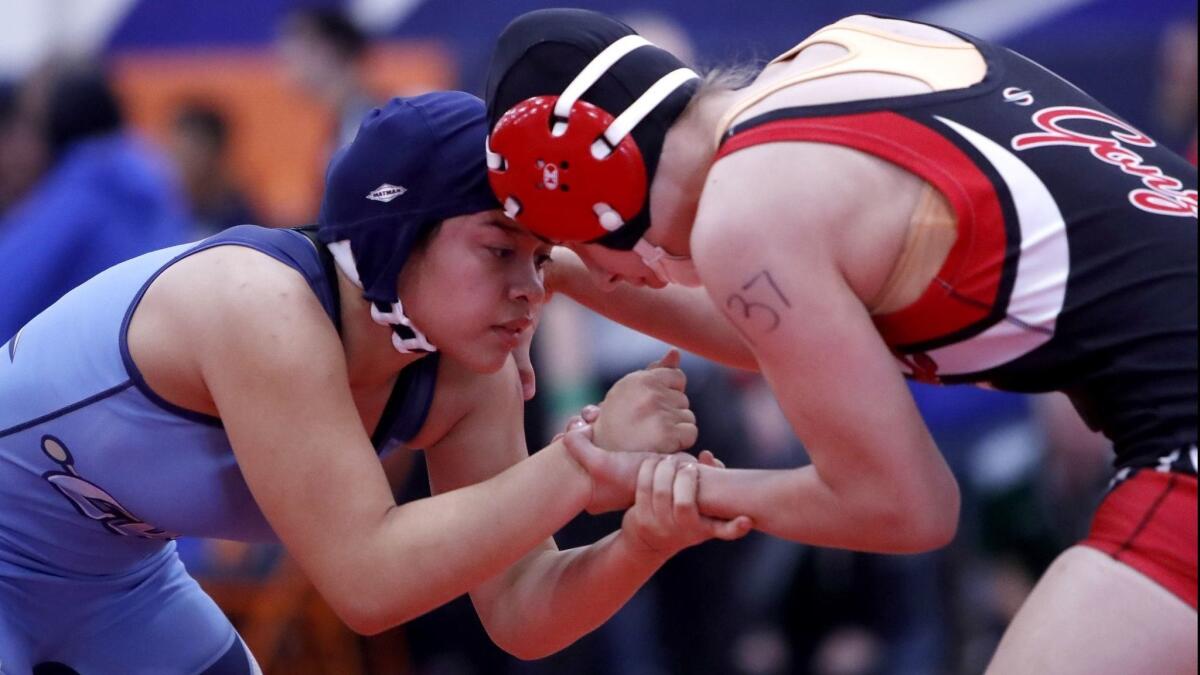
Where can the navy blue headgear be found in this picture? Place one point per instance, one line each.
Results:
(415, 162)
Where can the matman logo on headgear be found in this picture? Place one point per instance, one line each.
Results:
(386, 192)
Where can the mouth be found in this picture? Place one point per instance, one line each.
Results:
(510, 332)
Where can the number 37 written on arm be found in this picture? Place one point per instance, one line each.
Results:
(759, 304)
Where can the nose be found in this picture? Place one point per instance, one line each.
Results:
(529, 287)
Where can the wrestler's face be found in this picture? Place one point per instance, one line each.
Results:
(475, 288)
(610, 267)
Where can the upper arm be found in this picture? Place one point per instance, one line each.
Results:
(774, 267)
(489, 435)
(488, 439)
(274, 367)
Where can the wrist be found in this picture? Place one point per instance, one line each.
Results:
(577, 482)
(638, 552)
(720, 495)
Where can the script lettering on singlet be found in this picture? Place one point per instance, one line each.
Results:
(91, 500)
(1162, 195)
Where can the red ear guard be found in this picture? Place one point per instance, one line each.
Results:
(560, 177)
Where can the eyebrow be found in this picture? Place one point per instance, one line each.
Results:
(519, 231)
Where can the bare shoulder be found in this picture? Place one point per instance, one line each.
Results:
(232, 274)
(234, 288)
(812, 204)
(226, 305)
(236, 276)
(773, 250)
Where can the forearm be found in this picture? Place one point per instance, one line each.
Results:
(796, 504)
(432, 550)
(684, 317)
(556, 597)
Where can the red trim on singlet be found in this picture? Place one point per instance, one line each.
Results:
(1149, 523)
(973, 268)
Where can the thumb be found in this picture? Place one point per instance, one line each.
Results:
(578, 440)
(730, 530)
(574, 422)
(669, 360)
(590, 413)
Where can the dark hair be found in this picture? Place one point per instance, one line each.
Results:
(81, 105)
(204, 120)
(332, 27)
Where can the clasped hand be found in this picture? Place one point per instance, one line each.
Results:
(629, 447)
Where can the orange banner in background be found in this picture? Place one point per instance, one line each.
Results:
(279, 139)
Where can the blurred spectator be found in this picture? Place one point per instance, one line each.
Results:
(1176, 104)
(199, 142)
(22, 148)
(322, 52)
(104, 198)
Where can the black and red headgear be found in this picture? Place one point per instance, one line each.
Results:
(578, 107)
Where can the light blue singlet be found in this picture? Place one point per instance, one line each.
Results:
(98, 475)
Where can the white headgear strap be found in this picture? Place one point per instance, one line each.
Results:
(670, 269)
(667, 267)
(344, 258)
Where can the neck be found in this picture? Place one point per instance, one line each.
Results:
(371, 359)
(687, 154)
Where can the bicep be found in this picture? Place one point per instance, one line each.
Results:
(489, 439)
(274, 368)
(834, 377)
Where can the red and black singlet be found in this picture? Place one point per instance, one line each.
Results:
(1075, 264)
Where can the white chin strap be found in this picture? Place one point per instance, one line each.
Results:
(417, 344)
(670, 269)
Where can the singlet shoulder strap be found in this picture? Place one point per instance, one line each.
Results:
(327, 264)
(870, 50)
(408, 406)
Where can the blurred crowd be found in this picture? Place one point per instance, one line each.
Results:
(81, 189)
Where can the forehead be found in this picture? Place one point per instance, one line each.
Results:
(497, 220)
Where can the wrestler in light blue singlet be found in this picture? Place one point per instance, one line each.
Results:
(98, 474)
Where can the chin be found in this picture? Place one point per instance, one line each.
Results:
(479, 360)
